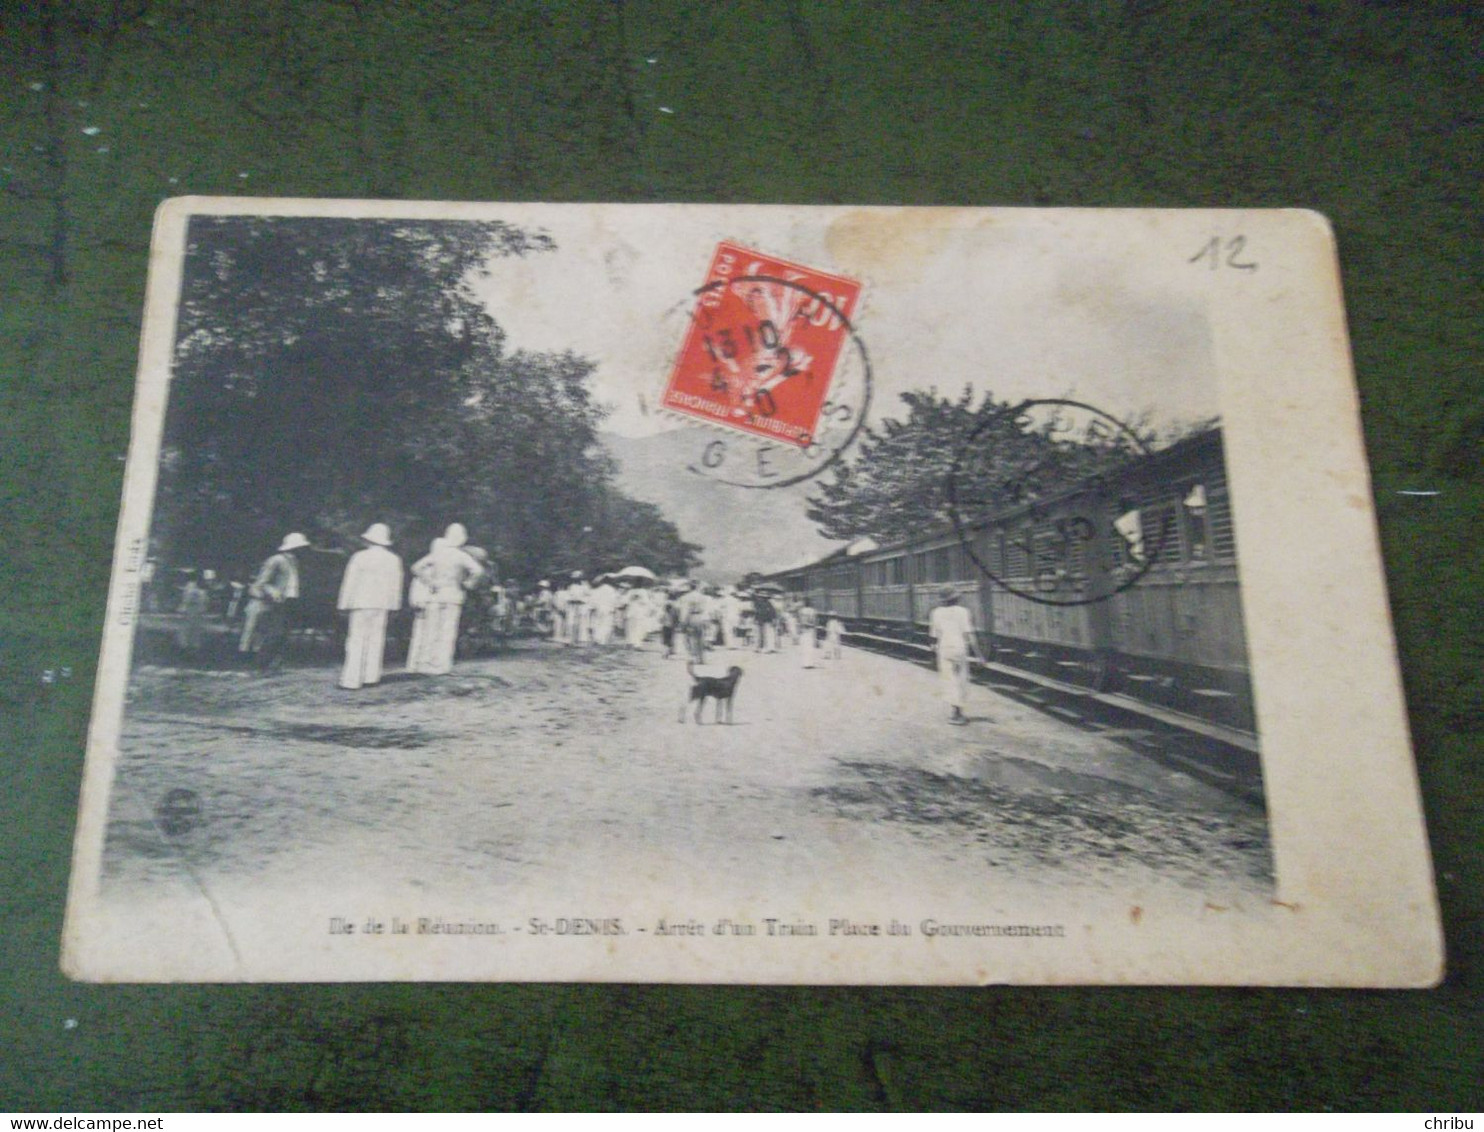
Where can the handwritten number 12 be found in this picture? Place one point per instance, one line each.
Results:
(1224, 252)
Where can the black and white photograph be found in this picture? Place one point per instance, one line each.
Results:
(746, 594)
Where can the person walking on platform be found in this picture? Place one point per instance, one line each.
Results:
(265, 631)
(952, 630)
(716, 617)
(579, 611)
(370, 590)
(731, 617)
(695, 620)
(670, 618)
(543, 608)
(787, 626)
(447, 572)
(637, 618)
(834, 634)
(765, 617)
(604, 602)
(558, 605)
(808, 635)
(625, 615)
(418, 592)
(194, 600)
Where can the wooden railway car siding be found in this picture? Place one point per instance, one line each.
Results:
(885, 593)
(1177, 635)
(1173, 639)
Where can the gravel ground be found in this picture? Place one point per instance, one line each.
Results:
(519, 770)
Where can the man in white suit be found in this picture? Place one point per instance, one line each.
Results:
(604, 604)
(579, 611)
(265, 630)
(952, 629)
(448, 572)
(371, 589)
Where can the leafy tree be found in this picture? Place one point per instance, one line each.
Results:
(329, 373)
(995, 455)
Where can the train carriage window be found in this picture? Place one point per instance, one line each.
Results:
(1127, 536)
(1043, 537)
(1076, 549)
(1223, 539)
(943, 563)
(1193, 510)
(897, 571)
(1050, 551)
(1162, 534)
(1017, 552)
(995, 553)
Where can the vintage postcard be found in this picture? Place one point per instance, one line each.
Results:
(744, 594)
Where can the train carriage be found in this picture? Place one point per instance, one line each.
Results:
(1135, 573)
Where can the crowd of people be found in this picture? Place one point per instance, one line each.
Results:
(687, 617)
(455, 596)
(456, 601)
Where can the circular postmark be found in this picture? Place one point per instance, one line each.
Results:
(1043, 501)
(179, 812)
(752, 461)
(771, 368)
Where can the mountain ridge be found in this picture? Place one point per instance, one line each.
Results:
(740, 529)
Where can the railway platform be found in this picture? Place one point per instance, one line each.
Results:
(1223, 757)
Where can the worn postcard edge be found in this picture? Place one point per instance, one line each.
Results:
(1355, 901)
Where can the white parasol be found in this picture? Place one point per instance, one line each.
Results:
(638, 574)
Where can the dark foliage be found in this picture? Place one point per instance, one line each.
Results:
(996, 456)
(330, 373)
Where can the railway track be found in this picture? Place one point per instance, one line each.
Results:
(1222, 757)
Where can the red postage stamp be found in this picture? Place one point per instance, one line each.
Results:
(762, 346)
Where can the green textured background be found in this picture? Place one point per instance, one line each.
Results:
(1368, 112)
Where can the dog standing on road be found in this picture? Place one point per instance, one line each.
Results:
(722, 689)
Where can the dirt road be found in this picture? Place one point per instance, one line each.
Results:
(548, 762)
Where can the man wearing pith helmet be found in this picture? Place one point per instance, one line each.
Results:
(952, 629)
(579, 595)
(371, 589)
(447, 572)
(265, 630)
